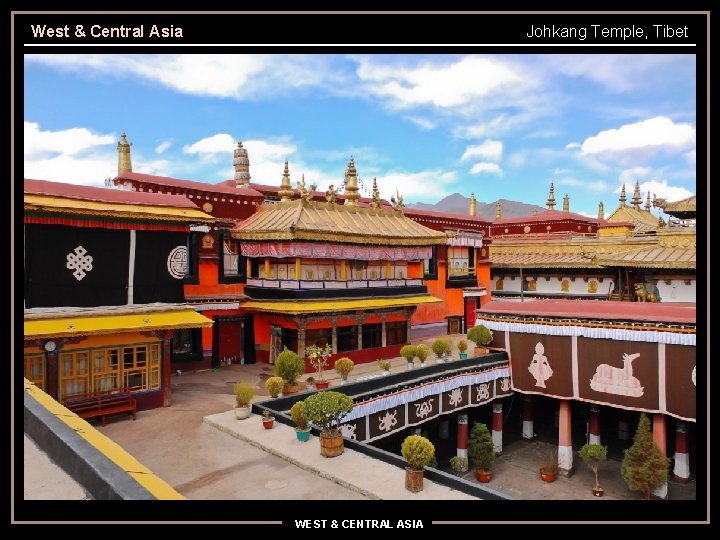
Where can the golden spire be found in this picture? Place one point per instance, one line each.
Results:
(375, 195)
(637, 199)
(473, 205)
(351, 184)
(566, 203)
(242, 166)
(124, 161)
(622, 197)
(647, 202)
(601, 211)
(498, 210)
(551, 198)
(286, 192)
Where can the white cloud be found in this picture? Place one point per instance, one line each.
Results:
(558, 170)
(218, 143)
(236, 76)
(439, 85)
(71, 141)
(423, 123)
(429, 185)
(640, 140)
(517, 159)
(591, 185)
(162, 147)
(659, 188)
(489, 149)
(484, 167)
(690, 156)
(572, 145)
(631, 175)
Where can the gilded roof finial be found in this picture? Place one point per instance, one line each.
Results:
(636, 199)
(306, 193)
(242, 166)
(551, 198)
(473, 205)
(124, 161)
(601, 211)
(661, 222)
(286, 192)
(566, 203)
(647, 202)
(330, 194)
(622, 197)
(351, 184)
(376, 203)
(397, 202)
(498, 210)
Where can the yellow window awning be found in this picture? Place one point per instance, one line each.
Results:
(313, 306)
(110, 324)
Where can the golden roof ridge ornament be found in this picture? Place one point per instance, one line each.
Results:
(601, 211)
(498, 210)
(330, 194)
(124, 160)
(376, 202)
(566, 203)
(636, 199)
(473, 205)
(306, 194)
(286, 192)
(241, 162)
(551, 198)
(397, 202)
(351, 184)
(647, 202)
(623, 198)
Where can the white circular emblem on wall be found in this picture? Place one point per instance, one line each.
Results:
(177, 262)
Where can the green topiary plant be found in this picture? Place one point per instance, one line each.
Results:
(593, 454)
(344, 366)
(439, 347)
(409, 352)
(480, 335)
(462, 345)
(417, 451)
(459, 464)
(244, 393)
(326, 409)
(274, 386)
(480, 447)
(384, 365)
(289, 366)
(644, 468)
(297, 413)
(422, 352)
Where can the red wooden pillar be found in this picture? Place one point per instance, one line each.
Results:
(165, 363)
(497, 428)
(462, 436)
(528, 430)
(565, 451)
(594, 425)
(660, 437)
(681, 472)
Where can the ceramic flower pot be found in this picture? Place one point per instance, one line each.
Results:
(303, 435)
(268, 422)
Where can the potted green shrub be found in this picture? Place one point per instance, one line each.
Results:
(422, 352)
(326, 410)
(482, 451)
(549, 471)
(409, 352)
(318, 357)
(481, 336)
(418, 452)
(302, 429)
(274, 385)
(244, 393)
(459, 464)
(344, 366)
(439, 347)
(462, 346)
(592, 455)
(289, 366)
(268, 420)
(384, 365)
(643, 467)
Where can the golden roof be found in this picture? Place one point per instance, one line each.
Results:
(541, 260)
(652, 257)
(298, 307)
(327, 222)
(685, 205)
(642, 219)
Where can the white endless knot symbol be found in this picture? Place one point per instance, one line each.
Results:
(505, 384)
(483, 392)
(80, 262)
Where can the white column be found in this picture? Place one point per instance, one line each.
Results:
(497, 428)
(528, 430)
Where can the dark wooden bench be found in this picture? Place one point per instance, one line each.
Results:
(102, 404)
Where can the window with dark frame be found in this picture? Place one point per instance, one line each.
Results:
(431, 265)
(347, 338)
(371, 335)
(231, 263)
(396, 333)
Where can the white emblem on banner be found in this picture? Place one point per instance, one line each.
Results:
(348, 430)
(177, 262)
(388, 421)
(618, 381)
(456, 396)
(505, 384)
(539, 366)
(424, 408)
(483, 392)
(80, 262)
(693, 376)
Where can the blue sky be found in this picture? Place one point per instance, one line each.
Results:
(501, 126)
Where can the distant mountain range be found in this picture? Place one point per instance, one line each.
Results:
(459, 204)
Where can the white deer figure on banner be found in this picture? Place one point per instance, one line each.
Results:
(618, 381)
